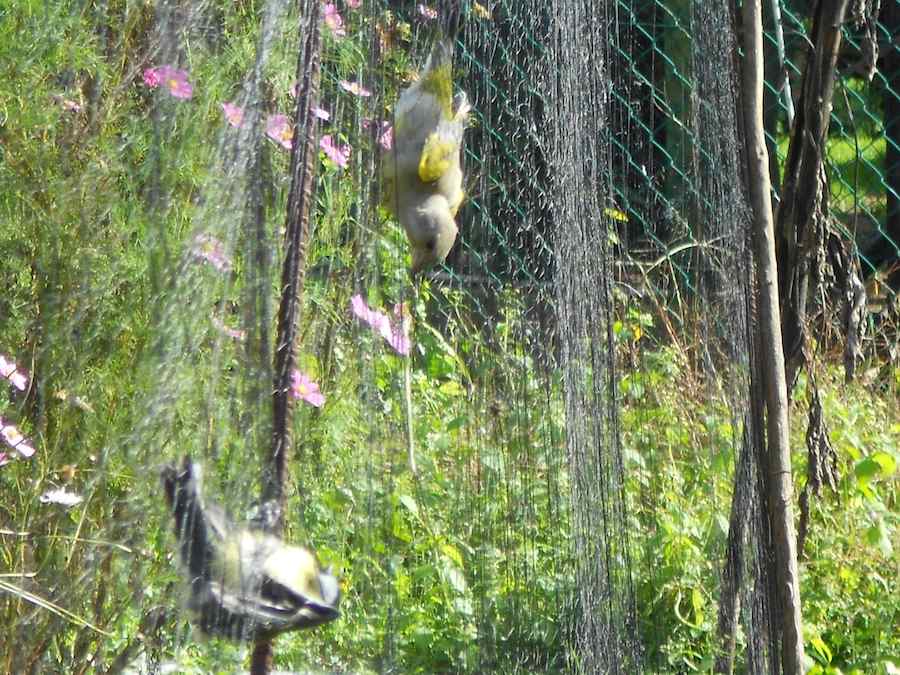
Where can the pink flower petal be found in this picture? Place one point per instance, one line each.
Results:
(333, 19)
(280, 130)
(359, 307)
(395, 333)
(373, 318)
(17, 377)
(426, 12)
(321, 114)
(4, 458)
(19, 381)
(181, 89)
(152, 77)
(340, 155)
(385, 132)
(175, 80)
(7, 367)
(234, 114)
(305, 389)
(355, 88)
(16, 440)
(12, 435)
(209, 249)
(354, 4)
(399, 342)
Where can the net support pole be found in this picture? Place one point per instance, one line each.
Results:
(304, 157)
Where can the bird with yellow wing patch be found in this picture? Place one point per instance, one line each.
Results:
(422, 172)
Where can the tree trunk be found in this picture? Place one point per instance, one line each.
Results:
(890, 67)
(801, 231)
(777, 468)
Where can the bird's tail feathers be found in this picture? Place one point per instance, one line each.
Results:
(441, 55)
(194, 523)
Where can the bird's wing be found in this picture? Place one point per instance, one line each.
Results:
(441, 147)
(218, 610)
(417, 117)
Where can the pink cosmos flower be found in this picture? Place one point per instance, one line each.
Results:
(280, 130)
(209, 249)
(174, 79)
(152, 78)
(339, 154)
(426, 12)
(177, 83)
(305, 389)
(355, 88)
(13, 373)
(385, 132)
(395, 333)
(375, 319)
(321, 113)
(333, 20)
(354, 4)
(15, 439)
(234, 114)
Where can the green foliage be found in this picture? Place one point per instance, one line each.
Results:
(851, 557)
(680, 452)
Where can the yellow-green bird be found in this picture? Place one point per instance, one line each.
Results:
(422, 171)
(244, 583)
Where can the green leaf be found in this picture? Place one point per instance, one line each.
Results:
(866, 469)
(448, 350)
(886, 461)
(877, 465)
(877, 535)
(698, 603)
(452, 389)
(821, 649)
(410, 504)
(455, 578)
(457, 422)
(453, 553)
(722, 522)
(399, 528)
(682, 617)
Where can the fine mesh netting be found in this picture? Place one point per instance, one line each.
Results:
(543, 455)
